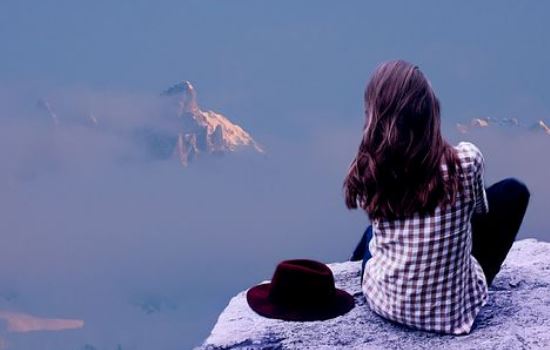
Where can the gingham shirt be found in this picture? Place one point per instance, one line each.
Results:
(422, 273)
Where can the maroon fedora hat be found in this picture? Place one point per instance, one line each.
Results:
(300, 290)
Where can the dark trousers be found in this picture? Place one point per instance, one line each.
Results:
(492, 234)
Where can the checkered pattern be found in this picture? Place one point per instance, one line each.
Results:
(421, 273)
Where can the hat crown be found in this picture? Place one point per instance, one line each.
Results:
(301, 281)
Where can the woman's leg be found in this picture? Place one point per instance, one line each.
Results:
(367, 256)
(361, 248)
(361, 251)
(494, 233)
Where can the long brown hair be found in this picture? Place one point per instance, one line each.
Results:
(397, 170)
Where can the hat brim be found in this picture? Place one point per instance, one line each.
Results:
(258, 300)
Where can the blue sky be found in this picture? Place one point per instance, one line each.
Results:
(292, 73)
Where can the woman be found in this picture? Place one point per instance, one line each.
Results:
(438, 237)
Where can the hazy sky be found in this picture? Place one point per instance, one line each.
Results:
(270, 64)
(87, 237)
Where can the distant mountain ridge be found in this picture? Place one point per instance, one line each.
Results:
(180, 129)
(485, 122)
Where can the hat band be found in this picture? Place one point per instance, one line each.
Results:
(306, 299)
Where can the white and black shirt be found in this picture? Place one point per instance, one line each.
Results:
(422, 273)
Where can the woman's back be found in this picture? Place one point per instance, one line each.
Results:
(421, 272)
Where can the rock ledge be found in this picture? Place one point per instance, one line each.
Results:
(517, 316)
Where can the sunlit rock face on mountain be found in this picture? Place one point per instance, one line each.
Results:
(203, 132)
(541, 125)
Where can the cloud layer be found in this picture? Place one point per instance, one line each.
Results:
(146, 252)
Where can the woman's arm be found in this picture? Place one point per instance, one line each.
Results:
(481, 203)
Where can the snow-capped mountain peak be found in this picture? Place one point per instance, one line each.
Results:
(204, 131)
(185, 95)
(178, 128)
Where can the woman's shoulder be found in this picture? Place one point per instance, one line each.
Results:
(470, 155)
(468, 147)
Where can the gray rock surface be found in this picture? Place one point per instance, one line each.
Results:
(517, 316)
